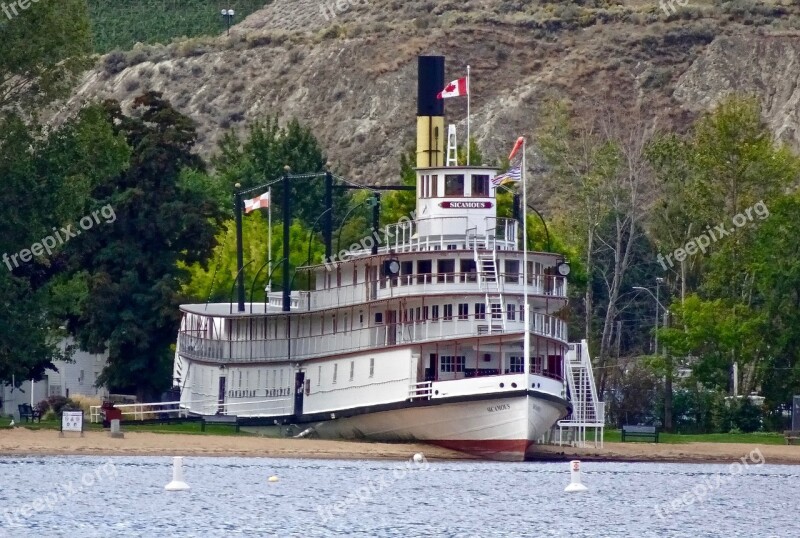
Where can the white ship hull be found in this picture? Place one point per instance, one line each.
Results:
(498, 428)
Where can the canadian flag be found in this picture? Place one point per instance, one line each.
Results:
(457, 88)
(257, 203)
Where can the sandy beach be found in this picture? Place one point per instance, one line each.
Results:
(21, 442)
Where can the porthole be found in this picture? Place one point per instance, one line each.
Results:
(513, 385)
(502, 385)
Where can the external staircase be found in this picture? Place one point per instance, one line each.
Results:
(588, 412)
(490, 282)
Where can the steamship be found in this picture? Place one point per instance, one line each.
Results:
(421, 338)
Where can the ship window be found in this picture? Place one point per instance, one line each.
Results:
(497, 311)
(468, 271)
(449, 363)
(480, 186)
(425, 313)
(406, 272)
(371, 367)
(448, 312)
(516, 365)
(463, 311)
(319, 374)
(445, 269)
(352, 369)
(335, 372)
(424, 269)
(435, 311)
(510, 311)
(378, 317)
(454, 185)
(355, 275)
(512, 271)
(428, 184)
(480, 311)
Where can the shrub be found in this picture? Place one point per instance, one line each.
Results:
(43, 407)
(115, 62)
(59, 404)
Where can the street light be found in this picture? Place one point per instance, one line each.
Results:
(668, 360)
(658, 302)
(228, 14)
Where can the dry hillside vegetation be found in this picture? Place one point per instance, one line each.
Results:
(352, 77)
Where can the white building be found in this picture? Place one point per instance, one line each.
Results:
(73, 378)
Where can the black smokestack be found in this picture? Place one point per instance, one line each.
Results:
(430, 112)
(430, 81)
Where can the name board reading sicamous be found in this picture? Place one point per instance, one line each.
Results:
(465, 205)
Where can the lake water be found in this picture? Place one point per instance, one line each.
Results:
(124, 496)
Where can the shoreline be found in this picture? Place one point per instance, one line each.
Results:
(20, 442)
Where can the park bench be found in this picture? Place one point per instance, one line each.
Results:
(29, 413)
(792, 437)
(650, 432)
(232, 420)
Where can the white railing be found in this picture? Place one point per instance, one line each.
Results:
(436, 233)
(138, 410)
(318, 345)
(422, 389)
(430, 284)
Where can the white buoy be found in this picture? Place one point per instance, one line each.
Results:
(418, 457)
(177, 483)
(575, 484)
(273, 478)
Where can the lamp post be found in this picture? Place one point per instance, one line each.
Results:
(228, 14)
(668, 360)
(658, 303)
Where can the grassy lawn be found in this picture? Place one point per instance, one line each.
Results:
(186, 427)
(761, 438)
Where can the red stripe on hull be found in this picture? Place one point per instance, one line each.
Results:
(493, 449)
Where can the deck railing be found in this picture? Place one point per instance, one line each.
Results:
(391, 334)
(436, 233)
(424, 284)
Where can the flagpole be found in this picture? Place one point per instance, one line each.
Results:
(526, 346)
(269, 238)
(468, 111)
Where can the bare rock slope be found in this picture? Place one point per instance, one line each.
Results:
(348, 69)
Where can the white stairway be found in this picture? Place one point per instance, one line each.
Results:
(587, 409)
(491, 284)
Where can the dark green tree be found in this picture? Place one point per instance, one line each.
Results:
(132, 267)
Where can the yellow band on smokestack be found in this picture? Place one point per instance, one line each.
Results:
(430, 112)
(430, 141)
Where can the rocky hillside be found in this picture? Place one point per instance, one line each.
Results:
(348, 68)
